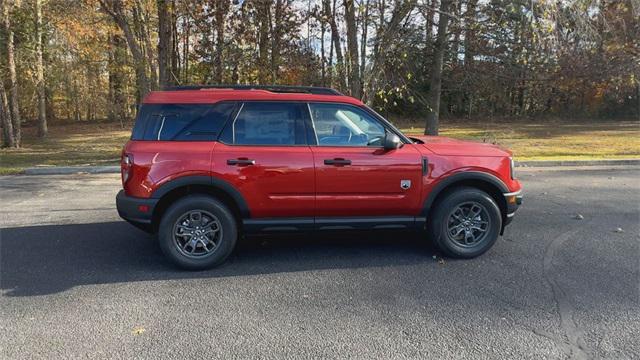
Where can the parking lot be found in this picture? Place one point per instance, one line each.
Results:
(563, 282)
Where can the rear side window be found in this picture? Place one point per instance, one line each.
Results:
(267, 123)
(181, 122)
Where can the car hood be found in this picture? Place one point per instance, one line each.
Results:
(453, 147)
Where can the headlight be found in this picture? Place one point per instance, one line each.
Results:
(512, 166)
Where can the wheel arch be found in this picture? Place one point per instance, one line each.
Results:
(222, 190)
(486, 182)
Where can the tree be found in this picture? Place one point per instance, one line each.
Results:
(363, 43)
(276, 39)
(352, 45)
(42, 97)
(502, 57)
(433, 96)
(8, 140)
(116, 10)
(335, 41)
(263, 18)
(384, 43)
(221, 9)
(117, 62)
(165, 41)
(13, 80)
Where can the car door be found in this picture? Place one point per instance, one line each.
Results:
(355, 175)
(263, 153)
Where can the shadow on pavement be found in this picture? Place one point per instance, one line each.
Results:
(42, 260)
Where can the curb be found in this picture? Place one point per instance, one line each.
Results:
(67, 170)
(553, 163)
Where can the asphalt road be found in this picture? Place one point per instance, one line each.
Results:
(78, 282)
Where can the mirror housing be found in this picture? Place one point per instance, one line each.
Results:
(391, 141)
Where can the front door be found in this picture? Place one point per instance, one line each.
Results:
(263, 153)
(355, 175)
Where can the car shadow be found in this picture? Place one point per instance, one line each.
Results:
(40, 260)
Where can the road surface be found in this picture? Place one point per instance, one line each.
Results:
(78, 282)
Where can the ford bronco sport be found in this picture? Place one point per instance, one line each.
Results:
(208, 164)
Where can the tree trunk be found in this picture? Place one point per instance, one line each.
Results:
(13, 81)
(323, 74)
(385, 36)
(117, 61)
(42, 101)
(638, 96)
(363, 45)
(263, 13)
(276, 40)
(186, 28)
(469, 52)
(175, 66)
(433, 97)
(165, 43)
(145, 40)
(5, 115)
(117, 13)
(352, 45)
(456, 27)
(335, 40)
(221, 10)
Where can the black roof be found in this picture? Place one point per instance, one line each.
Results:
(274, 88)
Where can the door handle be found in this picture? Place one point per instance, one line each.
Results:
(337, 162)
(241, 162)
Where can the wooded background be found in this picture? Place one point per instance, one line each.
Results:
(93, 60)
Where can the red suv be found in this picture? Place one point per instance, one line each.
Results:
(208, 164)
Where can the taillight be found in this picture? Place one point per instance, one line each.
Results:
(126, 167)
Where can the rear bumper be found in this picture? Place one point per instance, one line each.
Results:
(514, 200)
(137, 211)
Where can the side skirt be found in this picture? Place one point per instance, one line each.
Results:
(253, 226)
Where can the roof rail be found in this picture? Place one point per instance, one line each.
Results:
(274, 88)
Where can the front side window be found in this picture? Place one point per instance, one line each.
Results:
(268, 123)
(344, 125)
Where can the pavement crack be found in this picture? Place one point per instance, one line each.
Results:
(577, 348)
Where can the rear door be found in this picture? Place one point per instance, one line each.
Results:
(264, 154)
(355, 175)
(173, 140)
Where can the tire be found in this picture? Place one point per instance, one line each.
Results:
(453, 218)
(215, 226)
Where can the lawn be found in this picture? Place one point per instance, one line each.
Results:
(552, 141)
(100, 144)
(86, 144)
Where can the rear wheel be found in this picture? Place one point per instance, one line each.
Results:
(466, 223)
(197, 232)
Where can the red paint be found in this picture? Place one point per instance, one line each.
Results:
(293, 181)
(280, 183)
(370, 186)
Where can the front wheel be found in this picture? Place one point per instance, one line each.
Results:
(466, 223)
(197, 232)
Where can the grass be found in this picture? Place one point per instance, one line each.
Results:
(100, 144)
(85, 144)
(552, 141)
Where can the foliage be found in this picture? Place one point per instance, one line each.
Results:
(503, 58)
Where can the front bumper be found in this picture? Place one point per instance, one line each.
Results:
(137, 211)
(514, 200)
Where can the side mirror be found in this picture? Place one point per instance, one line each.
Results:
(391, 141)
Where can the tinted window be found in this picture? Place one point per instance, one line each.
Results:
(343, 125)
(197, 122)
(267, 123)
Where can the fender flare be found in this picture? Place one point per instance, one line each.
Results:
(461, 176)
(209, 181)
